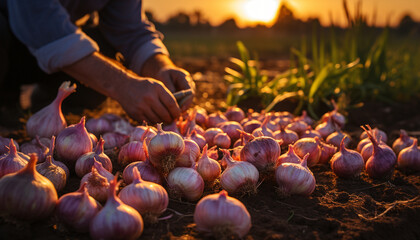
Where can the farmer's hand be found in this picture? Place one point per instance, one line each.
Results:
(174, 78)
(148, 99)
(177, 79)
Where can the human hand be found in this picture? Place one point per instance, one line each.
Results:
(177, 79)
(149, 100)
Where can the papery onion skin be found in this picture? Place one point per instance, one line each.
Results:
(308, 145)
(222, 140)
(295, 179)
(208, 168)
(114, 139)
(85, 162)
(402, 142)
(409, 158)
(26, 194)
(214, 119)
(289, 157)
(185, 183)
(262, 152)
(189, 155)
(72, 142)
(54, 173)
(96, 184)
(131, 152)
(148, 198)
(209, 135)
(381, 163)
(146, 169)
(222, 216)
(347, 163)
(239, 177)
(77, 209)
(98, 126)
(116, 220)
(49, 121)
(164, 149)
(11, 162)
(4, 142)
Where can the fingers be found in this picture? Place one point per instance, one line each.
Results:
(168, 100)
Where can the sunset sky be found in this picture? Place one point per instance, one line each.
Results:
(248, 12)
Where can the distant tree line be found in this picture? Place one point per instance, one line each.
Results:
(285, 22)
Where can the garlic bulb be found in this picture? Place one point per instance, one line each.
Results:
(54, 173)
(295, 178)
(72, 142)
(208, 168)
(381, 163)
(146, 169)
(141, 132)
(114, 139)
(214, 119)
(327, 151)
(199, 139)
(4, 142)
(288, 157)
(77, 209)
(336, 137)
(402, 142)
(85, 162)
(222, 140)
(189, 155)
(232, 129)
(288, 136)
(131, 152)
(11, 162)
(222, 216)
(116, 220)
(262, 152)
(50, 121)
(96, 183)
(298, 127)
(98, 126)
(409, 158)
(164, 149)
(36, 147)
(185, 183)
(239, 177)
(377, 133)
(347, 163)
(251, 125)
(308, 145)
(234, 113)
(326, 127)
(26, 194)
(148, 198)
(209, 135)
(57, 163)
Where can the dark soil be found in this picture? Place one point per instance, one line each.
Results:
(359, 208)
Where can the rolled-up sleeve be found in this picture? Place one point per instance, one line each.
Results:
(125, 26)
(45, 28)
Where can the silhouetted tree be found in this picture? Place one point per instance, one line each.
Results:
(407, 25)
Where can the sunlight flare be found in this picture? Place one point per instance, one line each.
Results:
(262, 11)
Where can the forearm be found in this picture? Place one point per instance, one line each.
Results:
(99, 73)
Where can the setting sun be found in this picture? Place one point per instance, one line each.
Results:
(263, 11)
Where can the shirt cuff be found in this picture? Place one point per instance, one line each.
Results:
(64, 51)
(147, 50)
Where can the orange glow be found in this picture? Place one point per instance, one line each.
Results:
(260, 11)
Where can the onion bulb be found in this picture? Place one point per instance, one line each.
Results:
(222, 216)
(26, 194)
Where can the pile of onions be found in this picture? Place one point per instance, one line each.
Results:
(148, 198)
(77, 209)
(116, 220)
(222, 216)
(26, 194)
(295, 178)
